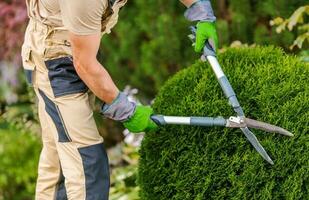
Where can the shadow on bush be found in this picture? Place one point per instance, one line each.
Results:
(180, 162)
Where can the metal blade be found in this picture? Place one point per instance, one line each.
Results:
(256, 144)
(266, 127)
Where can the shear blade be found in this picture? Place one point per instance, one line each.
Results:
(266, 127)
(256, 144)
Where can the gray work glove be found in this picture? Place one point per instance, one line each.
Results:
(135, 118)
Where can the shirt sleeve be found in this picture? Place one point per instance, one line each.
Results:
(82, 17)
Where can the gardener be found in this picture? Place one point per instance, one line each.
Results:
(59, 56)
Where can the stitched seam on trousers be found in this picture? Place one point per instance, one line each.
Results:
(51, 109)
(64, 126)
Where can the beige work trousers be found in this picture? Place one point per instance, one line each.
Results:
(73, 162)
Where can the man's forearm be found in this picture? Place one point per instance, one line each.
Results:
(98, 80)
(188, 3)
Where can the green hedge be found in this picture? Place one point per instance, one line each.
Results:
(180, 162)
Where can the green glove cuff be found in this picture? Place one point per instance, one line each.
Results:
(140, 121)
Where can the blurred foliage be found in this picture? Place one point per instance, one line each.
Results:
(150, 41)
(13, 17)
(19, 153)
(297, 21)
(19, 149)
(185, 162)
(22, 117)
(124, 185)
(124, 159)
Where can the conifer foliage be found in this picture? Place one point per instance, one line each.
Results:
(182, 162)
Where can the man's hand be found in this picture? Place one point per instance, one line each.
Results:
(135, 118)
(140, 121)
(201, 11)
(206, 31)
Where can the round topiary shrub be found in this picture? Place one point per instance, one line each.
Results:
(182, 162)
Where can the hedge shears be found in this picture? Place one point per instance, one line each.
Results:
(239, 121)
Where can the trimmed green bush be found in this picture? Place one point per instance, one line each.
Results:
(181, 162)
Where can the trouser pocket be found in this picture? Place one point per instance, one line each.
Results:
(28, 64)
(29, 76)
(63, 78)
(56, 44)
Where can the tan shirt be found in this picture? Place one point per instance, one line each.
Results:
(82, 17)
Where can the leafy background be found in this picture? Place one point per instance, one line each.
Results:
(148, 45)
